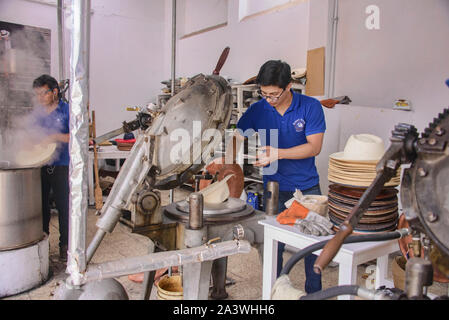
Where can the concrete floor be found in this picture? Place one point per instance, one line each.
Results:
(121, 243)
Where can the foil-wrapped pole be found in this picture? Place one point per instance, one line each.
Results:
(79, 135)
(166, 259)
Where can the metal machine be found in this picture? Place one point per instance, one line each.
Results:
(424, 196)
(176, 143)
(21, 235)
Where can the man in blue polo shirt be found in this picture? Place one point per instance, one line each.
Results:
(51, 115)
(291, 127)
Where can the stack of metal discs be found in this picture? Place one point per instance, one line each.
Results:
(381, 216)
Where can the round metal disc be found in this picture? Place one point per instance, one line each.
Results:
(231, 205)
(177, 211)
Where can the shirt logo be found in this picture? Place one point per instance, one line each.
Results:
(299, 125)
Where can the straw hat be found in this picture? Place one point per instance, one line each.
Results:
(361, 147)
(356, 164)
(35, 156)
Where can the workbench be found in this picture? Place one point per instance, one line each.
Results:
(103, 152)
(348, 257)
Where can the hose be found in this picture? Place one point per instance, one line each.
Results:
(397, 234)
(332, 292)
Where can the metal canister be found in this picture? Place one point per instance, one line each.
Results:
(20, 208)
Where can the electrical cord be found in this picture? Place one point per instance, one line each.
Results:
(351, 239)
(332, 292)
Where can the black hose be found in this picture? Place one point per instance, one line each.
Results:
(332, 292)
(351, 239)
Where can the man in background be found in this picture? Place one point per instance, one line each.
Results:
(53, 118)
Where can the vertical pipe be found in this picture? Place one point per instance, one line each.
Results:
(333, 49)
(79, 136)
(173, 48)
(173, 66)
(272, 196)
(418, 275)
(61, 41)
(195, 211)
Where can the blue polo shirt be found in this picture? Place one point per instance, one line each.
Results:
(57, 122)
(304, 117)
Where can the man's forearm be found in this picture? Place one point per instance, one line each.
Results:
(62, 137)
(303, 151)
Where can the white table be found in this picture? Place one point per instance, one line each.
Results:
(348, 258)
(103, 152)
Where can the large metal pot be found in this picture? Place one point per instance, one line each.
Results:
(20, 208)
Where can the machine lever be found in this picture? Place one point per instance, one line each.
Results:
(401, 150)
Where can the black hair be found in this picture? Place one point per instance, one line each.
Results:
(47, 80)
(274, 73)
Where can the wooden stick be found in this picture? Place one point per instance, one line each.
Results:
(98, 193)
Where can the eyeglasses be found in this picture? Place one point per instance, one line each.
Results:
(272, 98)
(42, 93)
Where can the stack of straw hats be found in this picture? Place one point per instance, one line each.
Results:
(356, 164)
(350, 173)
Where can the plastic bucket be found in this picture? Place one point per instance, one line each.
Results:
(170, 288)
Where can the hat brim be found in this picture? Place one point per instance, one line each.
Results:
(340, 156)
(357, 183)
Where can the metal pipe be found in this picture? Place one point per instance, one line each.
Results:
(173, 67)
(272, 196)
(61, 41)
(132, 173)
(173, 48)
(79, 135)
(195, 211)
(166, 259)
(94, 244)
(333, 47)
(109, 135)
(418, 274)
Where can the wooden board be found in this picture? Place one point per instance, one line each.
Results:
(315, 72)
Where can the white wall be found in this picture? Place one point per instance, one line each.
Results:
(281, 35)
(126, 58)
(405, 58)
(127, 55)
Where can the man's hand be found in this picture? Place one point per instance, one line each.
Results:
(266, 155)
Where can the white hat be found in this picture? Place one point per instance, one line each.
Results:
(216, 192)
(298, 73)
(361, 147)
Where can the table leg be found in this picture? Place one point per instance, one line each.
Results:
(382, 271)
(347, 274)
(90, 181)
(270, 253)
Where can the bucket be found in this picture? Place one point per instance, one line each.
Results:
(170, 288)
(398, 270)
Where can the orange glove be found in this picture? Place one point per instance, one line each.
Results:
(290, 215)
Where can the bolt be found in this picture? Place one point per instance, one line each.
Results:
(422, 172)
(439, 131)
(431, 216)
(432, 141)
(422, 141)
